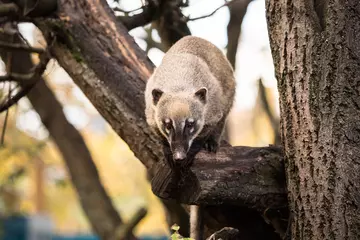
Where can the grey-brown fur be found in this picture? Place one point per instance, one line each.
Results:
(190, 64)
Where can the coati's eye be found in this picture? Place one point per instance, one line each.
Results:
(190, 123)
(168, 125)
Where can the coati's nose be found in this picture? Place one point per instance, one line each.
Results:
(179, 156)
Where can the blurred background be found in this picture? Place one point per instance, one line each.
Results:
(34, 182)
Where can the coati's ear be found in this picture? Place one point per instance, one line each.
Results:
(156, 93)
(201, 94)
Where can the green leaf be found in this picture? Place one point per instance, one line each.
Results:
(175, 236)
(175, 227)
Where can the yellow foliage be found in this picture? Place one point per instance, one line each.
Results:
(122, 175)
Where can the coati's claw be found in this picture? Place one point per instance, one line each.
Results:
(211, 145)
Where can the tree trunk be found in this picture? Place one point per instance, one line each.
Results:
(316, 50)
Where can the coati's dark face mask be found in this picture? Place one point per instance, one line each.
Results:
(180, 119)
(180, 135)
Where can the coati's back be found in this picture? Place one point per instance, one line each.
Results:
(215, 60)
(213, 57)
(192, 63)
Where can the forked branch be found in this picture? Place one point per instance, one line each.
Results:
(20, 47)
(28, 81)
(227, 3)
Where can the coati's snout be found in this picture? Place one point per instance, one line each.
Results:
(180, 139)
(179, 150)
(180, 136)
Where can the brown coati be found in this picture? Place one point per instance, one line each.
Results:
(188, 98)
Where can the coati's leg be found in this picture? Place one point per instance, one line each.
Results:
(196, 222)
(213, 141)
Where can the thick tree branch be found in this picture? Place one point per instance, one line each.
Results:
(147, 15)
(243, 176)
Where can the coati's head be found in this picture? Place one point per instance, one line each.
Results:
(179, 118)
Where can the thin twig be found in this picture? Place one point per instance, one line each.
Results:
(39, 70)
(22, 37)
(16, 77)
(20, 47)
(123, 231)
(8, 69)
(31, 79)
(5, 123)
(227, 3)
(151, 43)
(141, 19)
(117, 9)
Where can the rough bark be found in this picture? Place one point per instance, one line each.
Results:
(94, 200)
(316, 50)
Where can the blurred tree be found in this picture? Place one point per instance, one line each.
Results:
(237, 10)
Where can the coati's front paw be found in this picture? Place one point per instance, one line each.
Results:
(211, 145)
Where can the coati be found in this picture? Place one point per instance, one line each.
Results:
(188, 98)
